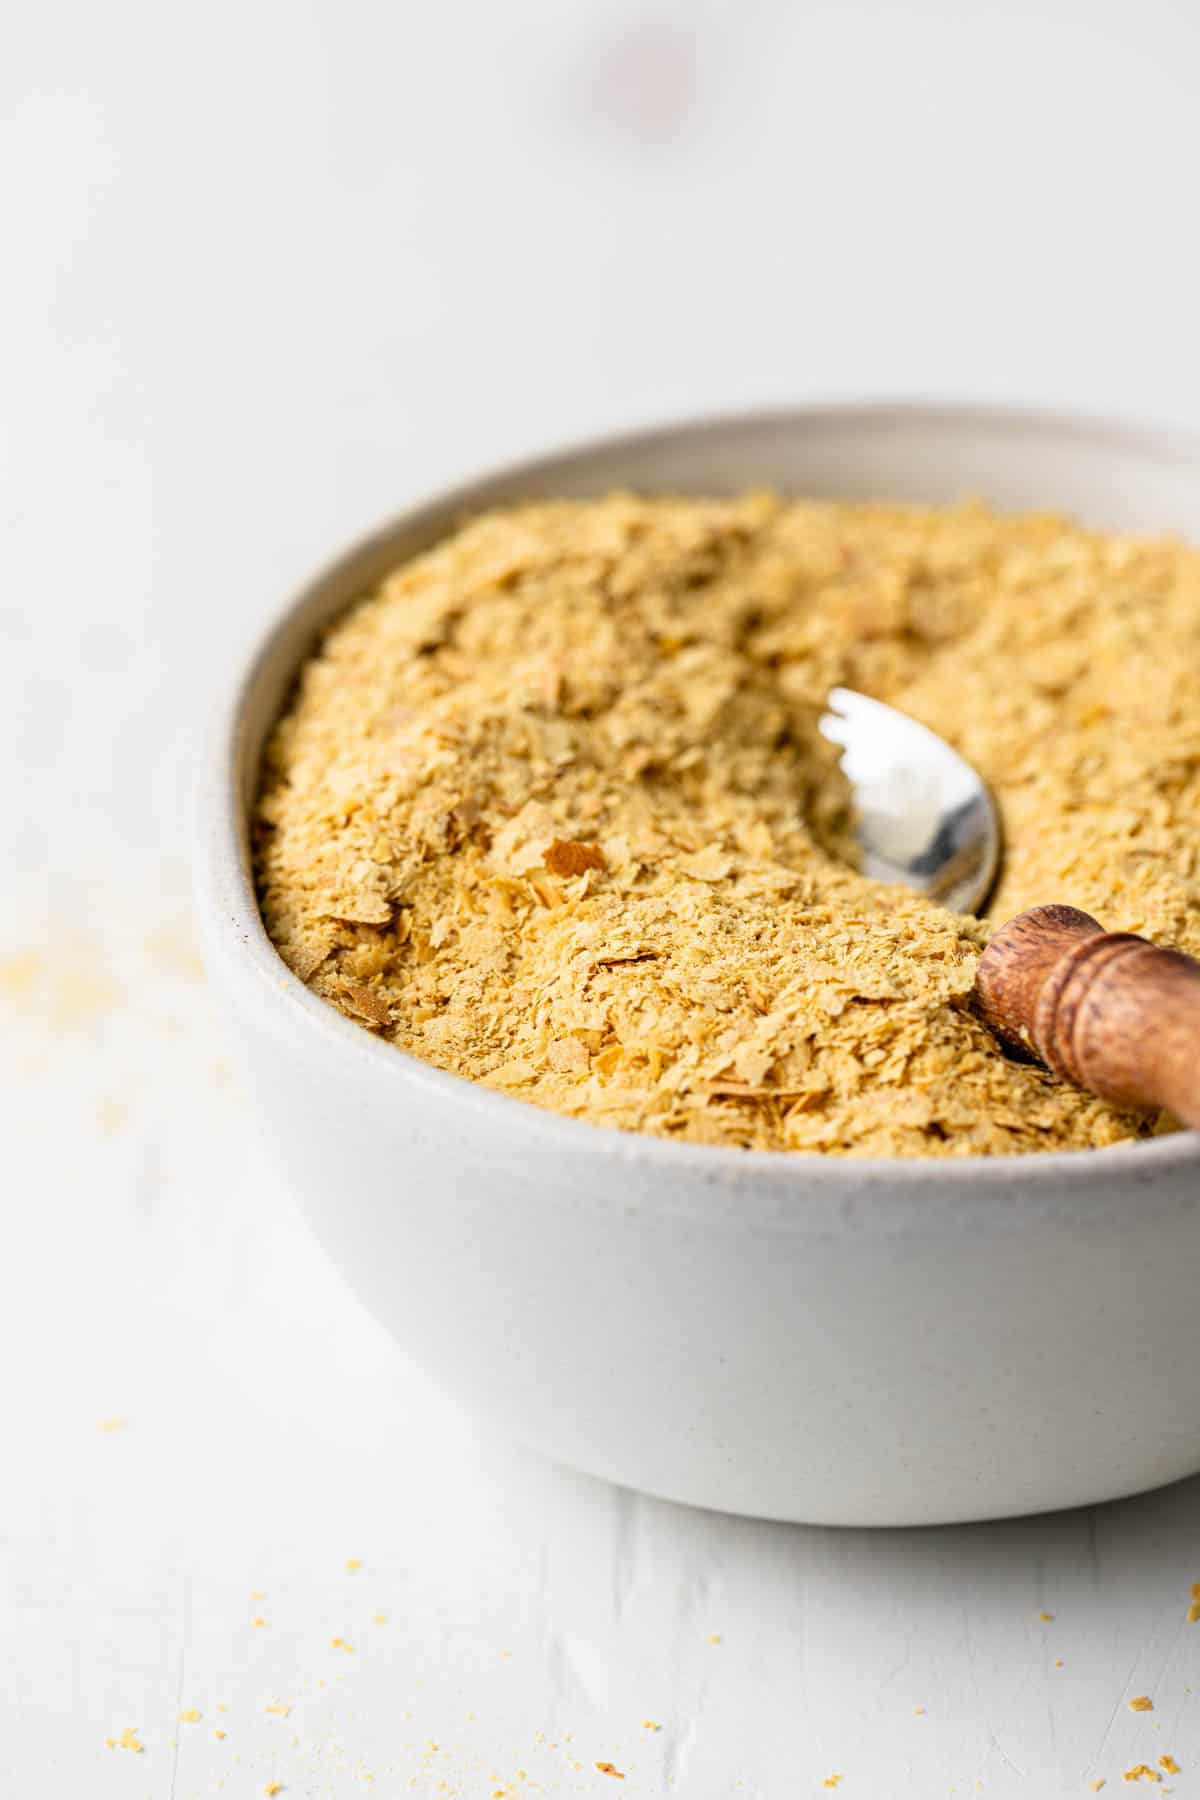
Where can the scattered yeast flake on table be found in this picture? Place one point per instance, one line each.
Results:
(1169, 1765)
(191, 1716)
(1141, 1703)
(1142, 1772)
(128, 1740)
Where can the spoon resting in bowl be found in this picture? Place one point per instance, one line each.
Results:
(1105, 1010)
(923, 816)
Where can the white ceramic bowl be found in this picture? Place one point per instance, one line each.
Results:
(785, 1335)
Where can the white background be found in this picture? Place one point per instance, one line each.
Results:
(267, 272)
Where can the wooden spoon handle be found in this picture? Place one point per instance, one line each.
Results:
(1106, 1010)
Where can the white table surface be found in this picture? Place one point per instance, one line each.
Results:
(269, 270)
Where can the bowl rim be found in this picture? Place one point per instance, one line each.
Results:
(233, 924)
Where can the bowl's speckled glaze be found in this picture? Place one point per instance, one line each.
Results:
(830, 1340)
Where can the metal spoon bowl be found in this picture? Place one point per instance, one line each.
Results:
(923, 815)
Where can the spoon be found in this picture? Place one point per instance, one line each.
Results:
(1105, 1010)
(924, 817)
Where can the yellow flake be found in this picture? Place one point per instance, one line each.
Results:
(128, 1740)
(550, 809)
